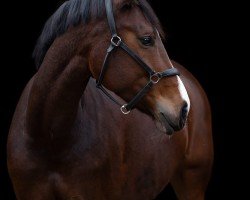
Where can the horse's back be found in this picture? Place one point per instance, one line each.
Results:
(18, 133)
(21, 165)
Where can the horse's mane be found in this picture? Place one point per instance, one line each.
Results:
(73, 12)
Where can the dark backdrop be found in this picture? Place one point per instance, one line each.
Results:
(199, 35)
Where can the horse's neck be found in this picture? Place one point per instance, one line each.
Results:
(56, 92)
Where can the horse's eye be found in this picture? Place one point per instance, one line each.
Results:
(147, 41)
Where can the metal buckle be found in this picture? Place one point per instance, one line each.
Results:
(155, 78)
(124, 109)
(116, 40)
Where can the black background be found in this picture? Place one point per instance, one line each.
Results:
(201, 36)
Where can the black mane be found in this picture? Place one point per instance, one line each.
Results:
(71, 13)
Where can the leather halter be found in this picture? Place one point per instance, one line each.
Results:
(116, 42)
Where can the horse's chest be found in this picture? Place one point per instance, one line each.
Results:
(123, 170)
(121, 159)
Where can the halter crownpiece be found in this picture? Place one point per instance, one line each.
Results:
(116, 42)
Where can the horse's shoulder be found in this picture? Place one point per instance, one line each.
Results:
(193, 86)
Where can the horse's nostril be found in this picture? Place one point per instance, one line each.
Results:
(184, 111)
(183, 115)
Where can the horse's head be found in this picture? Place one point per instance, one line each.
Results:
(137, 25)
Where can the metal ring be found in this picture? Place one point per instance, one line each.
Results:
(116, 43)
(124, 110)
(155, 78)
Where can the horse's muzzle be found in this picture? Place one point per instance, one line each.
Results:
(176, 124)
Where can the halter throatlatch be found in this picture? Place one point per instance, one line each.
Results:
(116, 42)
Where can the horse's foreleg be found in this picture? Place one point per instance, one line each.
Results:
(190, 184)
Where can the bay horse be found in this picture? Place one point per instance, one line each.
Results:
(69, 140)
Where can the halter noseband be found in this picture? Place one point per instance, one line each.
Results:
(116, 41)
